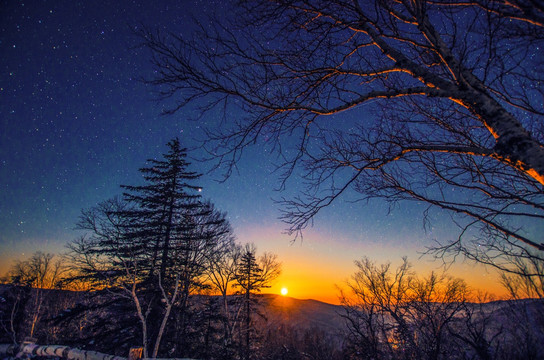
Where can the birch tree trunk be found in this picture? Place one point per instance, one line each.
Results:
(436, 102)
(141, 316)
(63, 352)
(169, 304)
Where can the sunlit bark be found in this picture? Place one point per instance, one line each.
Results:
(452, 90)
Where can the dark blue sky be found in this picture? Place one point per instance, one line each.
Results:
(75, 123)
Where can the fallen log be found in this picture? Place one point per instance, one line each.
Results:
(28, 350)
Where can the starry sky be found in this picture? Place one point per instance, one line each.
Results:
(76, 122)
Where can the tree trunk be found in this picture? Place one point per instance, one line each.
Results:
(247, 320)
(37, 309)
(169, 304)
(514, 145)
(141, 317)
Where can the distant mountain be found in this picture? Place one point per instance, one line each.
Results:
(282, 318)
(302, 314)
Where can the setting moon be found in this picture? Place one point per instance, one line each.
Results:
(284, 291)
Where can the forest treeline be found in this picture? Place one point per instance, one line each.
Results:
(385, 313)
(140, 259)
(158, 267)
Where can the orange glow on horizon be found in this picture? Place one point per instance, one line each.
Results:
(320, 266)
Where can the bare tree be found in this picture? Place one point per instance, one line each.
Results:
(528, 279)
(393, 314)
(376, 309)
(108, 260)
(437, 102)
(525, 310)
(39, 273)
(435, 304)
(480, 328)
(222, 274)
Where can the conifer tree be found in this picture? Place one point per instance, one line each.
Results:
(163, 206)
(178, 231)
(153, 244)
(252, 275)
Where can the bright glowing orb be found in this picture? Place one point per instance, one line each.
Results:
(284, 291)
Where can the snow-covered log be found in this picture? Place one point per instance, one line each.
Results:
(58, 351)
(64, 352)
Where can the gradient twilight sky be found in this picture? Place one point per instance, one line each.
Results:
(75, 123)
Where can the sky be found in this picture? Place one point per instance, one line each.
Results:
(76, 122)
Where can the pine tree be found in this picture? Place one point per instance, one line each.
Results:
(178, 230)
(252, 276)
(248, 277)
(153, 244)
(163, 206)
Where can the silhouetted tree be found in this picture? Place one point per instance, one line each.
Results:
(117, 264)
(480, 328)
(252, 275)
(153, 245)
(524, 330)
(31, 279)
(221, 271)
(12, 310)
(178, 229)
(527, 281)
(210, 235)
(393, 314)
(436, 102)
(163, 206)
(435, 303)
